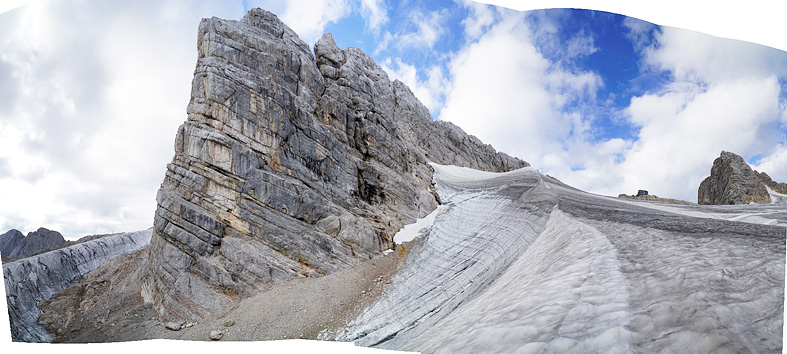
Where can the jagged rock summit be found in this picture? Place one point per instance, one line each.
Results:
(290, 166)
(9, 241)
(14, 245)
(732, 181)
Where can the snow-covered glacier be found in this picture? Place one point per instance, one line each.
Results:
(520, 262)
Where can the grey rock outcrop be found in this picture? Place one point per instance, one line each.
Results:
(732, 181)
(770, 183)
(13, 246)
(36, 278)
(9, 241)
(290, 166)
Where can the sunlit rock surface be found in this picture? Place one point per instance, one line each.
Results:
(519, 262)
(290, 165)
(30, 280)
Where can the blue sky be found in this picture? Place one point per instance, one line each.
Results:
(92, 93)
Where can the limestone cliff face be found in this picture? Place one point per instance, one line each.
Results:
(290, 166)
(732, 181)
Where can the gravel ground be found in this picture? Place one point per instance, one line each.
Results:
(105, 306)
(302, 308)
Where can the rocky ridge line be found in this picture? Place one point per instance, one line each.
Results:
(770, 183)
(15, 245)
(290, 166)
(31, 280)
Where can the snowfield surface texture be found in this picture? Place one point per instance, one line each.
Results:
(31, 280)
(519, 262)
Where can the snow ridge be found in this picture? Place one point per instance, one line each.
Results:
(483, 230)
(554, 298)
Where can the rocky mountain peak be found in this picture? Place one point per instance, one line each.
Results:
(14, 245)
(732, 181)
(290, 165)
(9, 241)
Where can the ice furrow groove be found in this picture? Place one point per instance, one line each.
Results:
(470, 244)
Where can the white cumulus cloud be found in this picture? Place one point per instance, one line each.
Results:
(724, 95)
(98, 93)
(428, 91)
(308, 18)
(506, 92)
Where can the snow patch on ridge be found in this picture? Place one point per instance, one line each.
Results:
(410, 231)
(776, 197)
(454, 174)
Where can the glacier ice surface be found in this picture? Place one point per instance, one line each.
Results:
(519, 262)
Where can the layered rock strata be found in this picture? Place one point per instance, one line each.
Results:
(732, 181)
(31, 280)
(14, 245)
(290, 166)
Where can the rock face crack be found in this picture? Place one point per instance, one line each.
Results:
(289, 165)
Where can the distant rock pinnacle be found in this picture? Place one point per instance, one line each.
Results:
(732, 181)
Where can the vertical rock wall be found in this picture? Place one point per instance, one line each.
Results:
(289, 166)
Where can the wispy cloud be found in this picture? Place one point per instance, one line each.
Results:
(481, 17)
(638, 32)
(375, 13)
(420, 31)
(580, 45)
